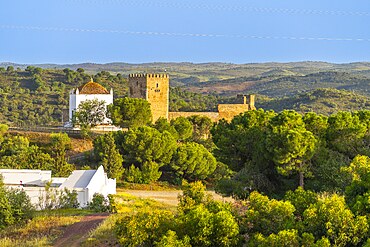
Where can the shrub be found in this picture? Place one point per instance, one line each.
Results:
(99, 203)
(20, 203)
(144, 228)
(68, 199)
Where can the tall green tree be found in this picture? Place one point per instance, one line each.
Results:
(241, 144)
(60, 143)
(330, 217)
(6, 217)
(201, 127)
(130, 112)
(106, 151)
(147, 144)
(357, 194)
(345, 133)
(290, 144)
(193, 161)
(183, 127)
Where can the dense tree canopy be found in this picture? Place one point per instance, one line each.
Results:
(107, 153)
(130, 112)
(193, 161)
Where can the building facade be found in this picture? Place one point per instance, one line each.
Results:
(89, 91)
(155, 89)
(85, 182)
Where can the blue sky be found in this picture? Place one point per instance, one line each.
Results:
(137, 31)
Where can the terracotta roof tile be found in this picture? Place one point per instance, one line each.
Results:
(92, 88)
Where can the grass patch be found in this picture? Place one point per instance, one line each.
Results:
(157, 186)
(40, 242)
(64, 212)
(43, 229)
(130, 204)
(40, 231)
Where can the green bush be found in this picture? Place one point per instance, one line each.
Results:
(144, 228)
(20, 203)
(68, 199)
(99, 203)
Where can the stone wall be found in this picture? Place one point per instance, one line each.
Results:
(155, 89)
(226, 111)
(212, 115)
(229, 111)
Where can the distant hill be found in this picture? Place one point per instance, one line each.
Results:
(40, 96)
(324, 101)
(193, 73)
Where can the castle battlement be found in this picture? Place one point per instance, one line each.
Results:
(144, 75)
(154, 87)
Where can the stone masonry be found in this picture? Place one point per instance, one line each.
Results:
(155, 89)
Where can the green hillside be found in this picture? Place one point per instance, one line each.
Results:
(38, 96)
(32, 95)
(324, 101)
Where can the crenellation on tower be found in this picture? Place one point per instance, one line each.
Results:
(154, 88)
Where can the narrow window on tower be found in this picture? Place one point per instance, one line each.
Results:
(157, 86)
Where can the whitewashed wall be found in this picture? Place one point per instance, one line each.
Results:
(76, 99)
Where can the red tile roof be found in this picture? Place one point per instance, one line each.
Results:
(92, 88)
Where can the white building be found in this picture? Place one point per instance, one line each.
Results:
(85, 182)
(89, 91)
(88, 182)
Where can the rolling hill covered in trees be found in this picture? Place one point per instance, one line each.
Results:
(38, 94)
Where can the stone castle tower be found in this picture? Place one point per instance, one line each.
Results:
(154, 88)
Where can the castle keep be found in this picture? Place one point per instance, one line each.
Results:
(155, 89)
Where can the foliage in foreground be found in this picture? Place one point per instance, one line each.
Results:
(274, 152)
(199, 221)
(302, 218)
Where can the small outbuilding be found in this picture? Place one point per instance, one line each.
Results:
(85, 182)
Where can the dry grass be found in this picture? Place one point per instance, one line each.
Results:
(103, 235)
(43, 139)
(167, 197)
(129, 203)
(43, 229)
(40, 231)
(155, 186)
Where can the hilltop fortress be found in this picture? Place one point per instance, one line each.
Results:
(155, 89)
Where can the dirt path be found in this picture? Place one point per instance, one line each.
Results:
(169, 197)
(76, 233)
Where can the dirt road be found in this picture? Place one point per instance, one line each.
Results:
(169, 197)
(77, 233)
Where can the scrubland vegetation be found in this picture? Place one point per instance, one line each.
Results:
(298, 178)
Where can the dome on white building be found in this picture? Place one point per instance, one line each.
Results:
(89, 91)
(92, 88)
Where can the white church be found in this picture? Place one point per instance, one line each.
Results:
(89, 91)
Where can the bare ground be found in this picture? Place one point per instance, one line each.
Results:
(169, 197)
(75, 234)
